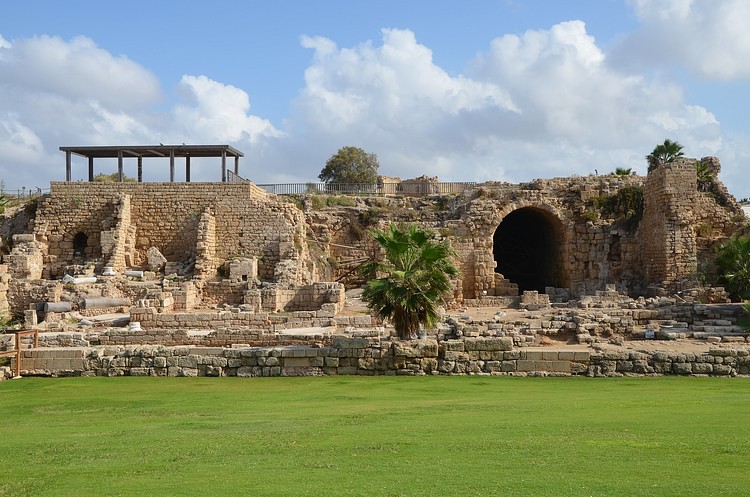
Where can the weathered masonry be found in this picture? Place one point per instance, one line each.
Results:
(566, 237)
(154, 249)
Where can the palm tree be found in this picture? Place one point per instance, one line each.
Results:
(664, 154)
(733, 263)
(416, 273)
(705, 176)
(622, 171)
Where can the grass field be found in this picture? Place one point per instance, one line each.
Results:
(353, 436)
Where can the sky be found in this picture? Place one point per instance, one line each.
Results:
(470, 90)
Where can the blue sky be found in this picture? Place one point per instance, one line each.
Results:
(473, 90)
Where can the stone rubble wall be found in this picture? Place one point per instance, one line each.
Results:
(373, 356)
(170, 216)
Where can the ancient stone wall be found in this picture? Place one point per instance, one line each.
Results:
(168, 216)
(667, 234)
(374, 356)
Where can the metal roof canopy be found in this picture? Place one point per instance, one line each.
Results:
(152, 151)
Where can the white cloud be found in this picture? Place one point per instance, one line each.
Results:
(545, 103)
(55, 92)
(541, 104)
(709, 37)
(214, 112)
(78, 69)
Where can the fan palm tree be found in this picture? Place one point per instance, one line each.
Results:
(733, 263)
(664, 153)
(415, 277)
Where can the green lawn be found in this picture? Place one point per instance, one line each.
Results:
(385, 436)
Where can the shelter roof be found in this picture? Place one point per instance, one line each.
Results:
(155, 151)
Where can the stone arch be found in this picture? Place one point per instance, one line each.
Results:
(529, 249)
(80, 244)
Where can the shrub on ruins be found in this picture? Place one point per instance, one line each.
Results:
(664, 153)
(351, 166)
(409, 283)
(112, 178)
(733, 265)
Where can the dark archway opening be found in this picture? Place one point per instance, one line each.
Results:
(528, 249)
(80, 242)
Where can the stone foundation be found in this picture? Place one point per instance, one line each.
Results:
(375, 356)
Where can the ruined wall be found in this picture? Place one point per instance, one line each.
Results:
(170, 217)
(667, 236)
(374, 356)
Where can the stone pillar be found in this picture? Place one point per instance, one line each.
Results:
(667, 236)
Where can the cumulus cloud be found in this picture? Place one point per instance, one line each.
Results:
(708, 37)
(55, 92)
(545, 103)
(77, 69)
(216, 112)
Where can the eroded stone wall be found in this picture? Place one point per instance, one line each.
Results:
(374, 356)
(183, 220)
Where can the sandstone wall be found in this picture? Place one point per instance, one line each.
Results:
(373, 356)
(667, 234)
(241, 220)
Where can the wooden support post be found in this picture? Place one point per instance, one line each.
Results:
(223, 166)
(171, 165)
(91, 169)
(68, 174)
(237, 165)
(187, 168)
(119, 166)
(140, 169)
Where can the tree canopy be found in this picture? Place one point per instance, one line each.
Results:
(415, 277)
(351, 165)
(664, 153)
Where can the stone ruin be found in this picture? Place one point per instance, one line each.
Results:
(226, 264)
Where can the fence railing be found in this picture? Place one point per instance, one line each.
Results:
(235, 178)
(23, 193)
(404, 188)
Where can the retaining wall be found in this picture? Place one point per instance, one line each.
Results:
(376, 356)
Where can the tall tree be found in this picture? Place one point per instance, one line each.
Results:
(410, 283)
(351, 165)
(664, 153)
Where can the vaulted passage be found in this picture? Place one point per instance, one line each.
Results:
(528, 249)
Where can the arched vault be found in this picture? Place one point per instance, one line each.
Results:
(528, 247)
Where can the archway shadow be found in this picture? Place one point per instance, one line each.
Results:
(528, 249)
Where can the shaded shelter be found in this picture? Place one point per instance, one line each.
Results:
(153, 151)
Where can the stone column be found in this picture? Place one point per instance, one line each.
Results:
(667, 235)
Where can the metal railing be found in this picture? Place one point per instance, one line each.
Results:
(235, 178)
(403, 189)
(23, 193)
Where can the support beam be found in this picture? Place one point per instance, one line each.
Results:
(236, 165)
(68, 174)
(91, 169)
(140, 169)
(223, 166)
(119, 166)
(187, 169)
(171, 165)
